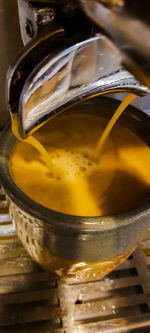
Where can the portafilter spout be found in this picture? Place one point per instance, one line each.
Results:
(63, 77)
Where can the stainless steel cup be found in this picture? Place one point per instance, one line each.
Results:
(72, 246)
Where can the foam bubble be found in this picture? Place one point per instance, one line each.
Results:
(71, 164)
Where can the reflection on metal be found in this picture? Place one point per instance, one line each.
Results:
(32, 18)
(70, 62)
(79, 71)
(127, 23)
(33, 300)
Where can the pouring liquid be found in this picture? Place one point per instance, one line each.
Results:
(65, 177)
(31, 140)
(96, 155)
(127, 100)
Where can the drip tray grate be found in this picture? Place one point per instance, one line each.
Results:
(32, 300)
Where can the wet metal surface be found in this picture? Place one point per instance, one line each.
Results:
(32, 300)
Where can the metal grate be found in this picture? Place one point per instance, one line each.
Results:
(32, 300)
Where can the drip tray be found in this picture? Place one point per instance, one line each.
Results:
(32, 300)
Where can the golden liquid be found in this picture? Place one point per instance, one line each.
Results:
(81, 186)
(127, 100)
(33, 142)
(97, 152)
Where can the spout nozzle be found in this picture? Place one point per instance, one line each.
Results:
(81, 71)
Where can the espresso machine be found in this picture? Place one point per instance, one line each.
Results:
(73, 50)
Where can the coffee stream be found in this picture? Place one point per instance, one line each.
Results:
(127, 100)
(96, 155)
(33, 142)
(69, 171)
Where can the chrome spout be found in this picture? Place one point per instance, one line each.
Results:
(80, 71)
